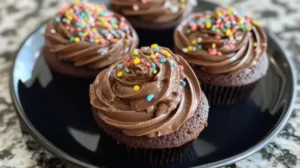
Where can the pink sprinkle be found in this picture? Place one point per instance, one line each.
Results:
(127, 59)
(144, 1)
(201, 26)
(219, 53)
(158, 56)
(122, 25)
(232, 46)
(112, 40)
(67, 27)
(135, 7)
(217, 36)
(78, 29)
(233, 30)
(142, 60)
(64, 9)
(147, 64)
(193, 27)
(247, 17)
(98, 23)
(264, 44)
(226, 19)
(102, 41)
(221, 26)
(180, 67)
(199, 40)
(127, 64)
(212, 51)
(219, 20)
(231, 18)
(76, 7)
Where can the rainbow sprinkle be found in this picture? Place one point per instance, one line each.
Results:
(93, 23)
(150, 58)
(223, 23)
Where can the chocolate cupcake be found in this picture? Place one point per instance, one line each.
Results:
(150, 14)
(227, 51)
(84, 38)
(151, 102)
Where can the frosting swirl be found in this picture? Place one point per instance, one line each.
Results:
(154, 11)
(222, 41)
(151, 93)
(89, 35)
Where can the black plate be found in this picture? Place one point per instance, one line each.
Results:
(55, 109)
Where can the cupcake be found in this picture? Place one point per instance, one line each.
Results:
(150, 14)
(84, 38)
(227, 51)
(151, 102)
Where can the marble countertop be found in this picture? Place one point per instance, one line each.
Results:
(19, 17)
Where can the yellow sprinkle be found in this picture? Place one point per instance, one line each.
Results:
(126, 41)
(228, 32)
(208, 25)
(254, 22)
(94, 29)
(101, 19)
(183, 6)
(136, 88)
(194, 42)
(77, 39)
(154, 46)
(97, 41)
(69, 17)
(249, 28)
(207, 16)
(213, 45)
(71, 11)
(219, 14)
(104, 24)
(76, 2)
(166, 53)
(120, 74)
(183, 1)
(136, 61)
(255, 44)
(230, 9)
(241, 19)
(152, 56)
(218, 30)
(190, 48)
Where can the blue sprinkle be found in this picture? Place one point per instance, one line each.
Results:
(78, 24)
(224, 30)
(112, 32)
(153, 65)
(214, 29)
(126, 69)
(126, 28)
(112, 21)
(207, 20)
(91, 40)
(157, 48)
(199, 47)
(183, 83)
(120, 66)
(150, 97)
(174, 64)
(245, 28)
(103, 31)
(145, 48)
(57, 19)
(163, 60)
(80, 34)
(208, 12)
(77, 12)
(119, 31)
(228, 25)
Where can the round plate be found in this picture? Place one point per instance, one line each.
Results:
(55, 109)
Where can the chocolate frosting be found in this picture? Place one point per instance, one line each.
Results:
(222, 41)
(154, 11)
(89, 35)
(151, 93)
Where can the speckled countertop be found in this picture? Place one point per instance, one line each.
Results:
(19, 17)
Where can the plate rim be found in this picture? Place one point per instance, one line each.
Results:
(55, 151)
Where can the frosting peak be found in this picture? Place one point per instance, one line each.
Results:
(152, 92)
(222, 41)
(90, 35)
